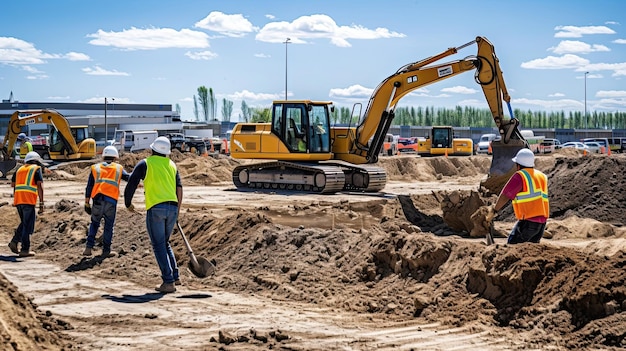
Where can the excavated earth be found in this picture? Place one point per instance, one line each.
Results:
(405, 269)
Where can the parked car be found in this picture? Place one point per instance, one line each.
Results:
(576, 145)
(549, 145)
(594, 147)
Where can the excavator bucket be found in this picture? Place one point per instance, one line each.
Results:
(6, 163)
(502, 165)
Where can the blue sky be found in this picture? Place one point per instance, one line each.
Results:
(161, 51)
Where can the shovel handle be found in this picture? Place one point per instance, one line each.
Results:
(180, 229)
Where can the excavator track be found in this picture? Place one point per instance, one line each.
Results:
(321, 178)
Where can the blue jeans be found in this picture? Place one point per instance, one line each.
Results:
(526, 231)
(160, 221)
(102, 209)
(26, 227)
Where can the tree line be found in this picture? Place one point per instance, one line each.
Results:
(420, 116)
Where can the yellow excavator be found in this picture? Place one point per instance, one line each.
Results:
(66, 143)
(305, 153)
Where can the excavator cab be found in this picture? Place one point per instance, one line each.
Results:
(303, 126)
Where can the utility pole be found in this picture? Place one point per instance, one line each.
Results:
(586, 73)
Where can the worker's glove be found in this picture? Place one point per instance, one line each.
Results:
(40, 208)
(88, 209)
(131, 208)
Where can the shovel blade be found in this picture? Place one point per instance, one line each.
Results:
(200, 266)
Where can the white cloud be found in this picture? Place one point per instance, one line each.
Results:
(611, 94)
(20, 52)
(577, 32)
(59, 98)
(248, 95)
(459, 90)
(551, 62)
(268, 16)
(150, 39)
(619, 41)
(203, 55)
(562, 104)
(320, 27)
(262, 55)
(99, 71)
(578, 47)
(229, 25)
(77, 56)
(556, 95)
(353, 91)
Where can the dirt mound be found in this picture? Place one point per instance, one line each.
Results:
(26, 328)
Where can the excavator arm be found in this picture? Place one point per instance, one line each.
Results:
(23, 118)
(370, 133)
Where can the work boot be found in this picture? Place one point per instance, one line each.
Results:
(87, 251)
(26, 253)
(166, 288)
(13, 247)
(108, 253)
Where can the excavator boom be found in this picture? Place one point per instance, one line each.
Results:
(67, 143)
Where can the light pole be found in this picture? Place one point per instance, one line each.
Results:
(286, 42)
(106, 126)
(586, 73)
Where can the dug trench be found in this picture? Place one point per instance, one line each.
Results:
(411, 254)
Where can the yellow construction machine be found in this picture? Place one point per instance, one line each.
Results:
(66, 143)
(305, 153)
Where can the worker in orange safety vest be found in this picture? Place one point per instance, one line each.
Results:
(103, 187)
(527, 190)
(27, 183)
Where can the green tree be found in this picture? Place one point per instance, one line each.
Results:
(227, 110)
(195, 108)
(246, 112)
(212, 105)
(204, 101)
(261, 115)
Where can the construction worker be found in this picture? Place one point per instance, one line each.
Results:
(103, 186)
(163, 196)
(27, 183)
(528, 191)
(26, 146)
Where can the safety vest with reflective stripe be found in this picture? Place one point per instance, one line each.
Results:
(160, 181)
(532, 201)
(25, 186)
(107, 178)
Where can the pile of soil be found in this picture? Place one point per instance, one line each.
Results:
(396, 257)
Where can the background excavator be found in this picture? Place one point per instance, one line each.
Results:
(307, 154)
(66, 143)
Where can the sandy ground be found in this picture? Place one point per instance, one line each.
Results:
(396, 270)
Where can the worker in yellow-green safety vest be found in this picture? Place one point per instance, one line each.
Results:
(527, 189)
(163, 196)
(25, 146)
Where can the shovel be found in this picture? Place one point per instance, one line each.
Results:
(199, 266)
(489, 236)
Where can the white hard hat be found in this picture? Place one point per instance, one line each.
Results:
(110, 151)
(21, 136)
(525, 158)
(161, 145)
(32, 156)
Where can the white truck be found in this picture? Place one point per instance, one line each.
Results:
(134, 140)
